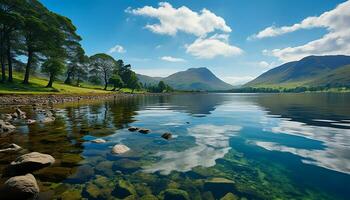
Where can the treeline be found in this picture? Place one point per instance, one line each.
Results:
(291, 90)
(32, 38)
(160, 88)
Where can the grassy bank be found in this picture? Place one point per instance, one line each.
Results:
(38, 86)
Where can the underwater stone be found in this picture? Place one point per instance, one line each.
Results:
(105, 168)
(82, 174)
(20, 187)
(126, 165)
(219, 186)
(174, 194)
(133, 129)
(144, 131)
(10, 147)
(149, 197)
(167, 136)
(120, 149)
(98, 140)
(229, 196)
(124, 189)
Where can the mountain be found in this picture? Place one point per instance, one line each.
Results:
(191, 79)
(309, 71)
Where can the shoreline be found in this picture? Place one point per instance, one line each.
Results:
(49, 99)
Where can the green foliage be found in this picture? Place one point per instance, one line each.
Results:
(161, 87)
(103, 66)
(117, 81)
(53, 67)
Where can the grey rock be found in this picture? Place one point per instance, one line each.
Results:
(21, 187)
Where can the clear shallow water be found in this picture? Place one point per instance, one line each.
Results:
(273, 146)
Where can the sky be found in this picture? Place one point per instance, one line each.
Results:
(236, 39)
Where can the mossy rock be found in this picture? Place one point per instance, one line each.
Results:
(149, 197)
(71, 159)
(229, 196)
(208, 196)
(54, 174)
(105, 168)
(126, 165)
(219, 186)
(83, 173)
(92, 191)
(71, 195)
(123, 189)
(174, 194)
(142, 189)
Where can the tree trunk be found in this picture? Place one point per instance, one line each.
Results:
(9, 59)
(2, 57)
(106, 81)
(50, 82)
(28, 66)
(68, 79)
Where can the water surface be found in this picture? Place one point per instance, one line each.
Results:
(273, 146)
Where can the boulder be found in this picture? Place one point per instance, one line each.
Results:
(219, 186)
(98, 140)
(28, 163)
(144, 131)
(6, 127)
(120, 149)
(167, 136)
(133, 129)
(10, 147)
(175, 194)
(20, 187)
(123, 189)
(20, 114)
(7, 117)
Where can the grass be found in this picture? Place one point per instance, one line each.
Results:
(38, 84)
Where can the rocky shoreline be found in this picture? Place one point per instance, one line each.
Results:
(44, 99)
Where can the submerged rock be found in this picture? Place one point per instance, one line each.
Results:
(120, 149)
(126, 165)
(6, 127)
(174, 194)
(149, 197)
(133, 129)
(167, 136)
(47, 119)
(30, 121)
(10, 147)
(144, 131)
(98, 140)
(83, 173)
(20, 187)
(123, 189)
(28, 163)
(219, 186)
(21, 114)
(229, 196)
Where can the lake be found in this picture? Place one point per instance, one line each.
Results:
(255, 146)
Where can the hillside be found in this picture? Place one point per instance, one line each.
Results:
(191, 79)
(309, 71)
(148, 79)
(335, 78)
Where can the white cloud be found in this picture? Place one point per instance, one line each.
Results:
(172, 20)
(213, 46)
(336, 41)
(172, 59)
(117, 48)
(212, 143)
(267, 65)
(237, 80)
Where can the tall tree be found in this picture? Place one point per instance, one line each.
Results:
(53, 67)
(103, 65)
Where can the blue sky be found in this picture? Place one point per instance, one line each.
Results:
(236, 39)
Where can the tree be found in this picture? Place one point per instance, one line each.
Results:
(53, 67)
(133, 82)
(103, 65)
(117, 81)
(161, 86)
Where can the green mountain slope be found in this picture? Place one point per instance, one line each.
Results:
(300, 73)
(191, 79)
(335, 78)
(148, 79)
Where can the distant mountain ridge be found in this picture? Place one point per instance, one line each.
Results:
(191, 79)
(309, 71)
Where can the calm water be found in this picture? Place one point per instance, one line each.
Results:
(273, 146)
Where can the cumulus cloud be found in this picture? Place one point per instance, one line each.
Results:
(216, 45)
(172, 20)
(172, 59)
(117, 48)
(212, 143)
(201, 24)
(335, 41)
